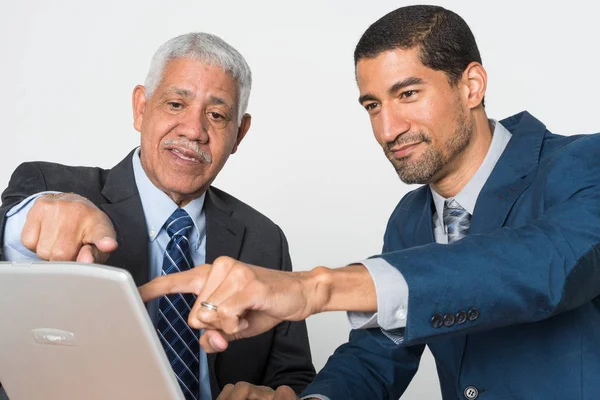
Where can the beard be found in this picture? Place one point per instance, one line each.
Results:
(423, 169)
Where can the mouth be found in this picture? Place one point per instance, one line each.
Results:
(185, 155)
(404, 150)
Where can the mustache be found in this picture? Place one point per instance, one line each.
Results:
(407, 138)
(192, 146)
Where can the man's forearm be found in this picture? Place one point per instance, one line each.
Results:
(348, 288)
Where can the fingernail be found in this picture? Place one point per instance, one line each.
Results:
(214, 344)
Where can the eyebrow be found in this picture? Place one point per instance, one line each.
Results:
(218, 100)
(189, 94)
(393, 89)
(405, 83)
(180, 92)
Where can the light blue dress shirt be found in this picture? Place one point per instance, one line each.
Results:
(158, 207)
(390, 286)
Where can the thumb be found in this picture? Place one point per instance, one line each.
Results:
(214, 341)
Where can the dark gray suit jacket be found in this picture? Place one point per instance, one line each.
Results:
(280, 356)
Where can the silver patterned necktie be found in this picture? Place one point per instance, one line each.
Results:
(457, 220)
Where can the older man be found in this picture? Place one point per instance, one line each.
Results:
(156, 212)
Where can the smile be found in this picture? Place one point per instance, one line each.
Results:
(183, 156)
(403, 151)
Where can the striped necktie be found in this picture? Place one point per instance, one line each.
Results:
(457, 220)
(178, 339)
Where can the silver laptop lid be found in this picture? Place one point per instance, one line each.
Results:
(78, 331)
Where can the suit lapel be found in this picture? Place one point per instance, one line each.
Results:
(124, 208)
(424, 232)
(224, 233)
(512, 174)
(224, 236)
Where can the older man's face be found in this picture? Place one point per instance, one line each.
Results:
(188, 127)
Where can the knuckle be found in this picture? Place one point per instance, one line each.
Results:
(60, 254)
(240, 273)
(28, 240)
(243, 385)
(43, 252)
(221, 261)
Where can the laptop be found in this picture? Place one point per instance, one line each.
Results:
(78, 331)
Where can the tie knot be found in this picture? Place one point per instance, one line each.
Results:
(453, 204)
(456, 219)
(179, 223)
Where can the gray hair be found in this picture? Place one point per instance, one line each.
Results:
(209, 49)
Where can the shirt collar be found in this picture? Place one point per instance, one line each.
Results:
(467, 197)
(157, 206)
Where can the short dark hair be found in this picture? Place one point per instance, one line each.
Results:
(445, 40)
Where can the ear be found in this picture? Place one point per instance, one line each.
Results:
(242, 130)
(139, 104)
(475, 79)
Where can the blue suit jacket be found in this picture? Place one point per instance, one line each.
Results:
(513, 308)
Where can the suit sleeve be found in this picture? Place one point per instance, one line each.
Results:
(290, 362)
(548, 265)
(369, 366)
(26, 180)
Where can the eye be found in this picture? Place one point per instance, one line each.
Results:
(216, 115)
(370, 106)
(408, 94)
(174, 105)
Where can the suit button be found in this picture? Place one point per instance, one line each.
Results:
(471, 393)
(436, 321)
(461, 317)
(473, 314)
(449, 320)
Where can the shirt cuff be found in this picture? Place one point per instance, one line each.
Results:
(315, 396)
(13, 249)
(392, 298)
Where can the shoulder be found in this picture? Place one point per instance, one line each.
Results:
(56, 171)
(578, 154)
(555, 146)
(41, 176)
(569, 166)
(252, 219)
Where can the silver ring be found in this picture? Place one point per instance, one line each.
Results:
(208, 305)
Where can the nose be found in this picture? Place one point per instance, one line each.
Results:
(194, 127)
(393, 123)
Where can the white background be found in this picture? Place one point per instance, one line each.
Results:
(309, 162)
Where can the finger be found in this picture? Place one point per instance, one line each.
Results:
(86, 255)
(214, 341)
(103, 236)
(226, 392)
(247, 391)
(55, 243)
(91, 254)
(31, 231)
(216, 275)
(218, 272)
(260, 393)
(285, 393)
(189, 281)
(233, 303)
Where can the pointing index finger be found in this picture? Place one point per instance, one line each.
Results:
(190, 281)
